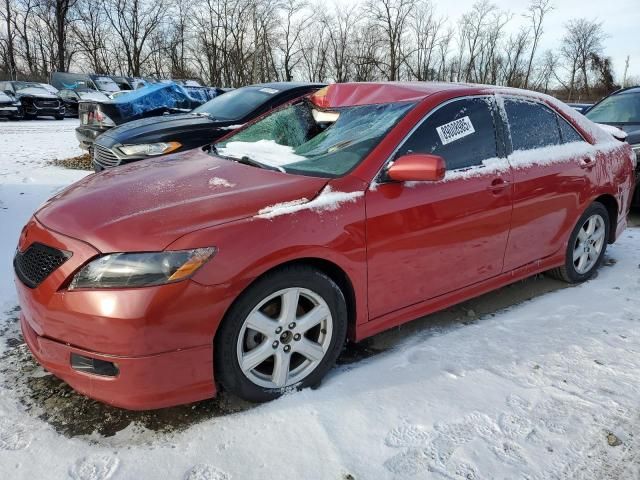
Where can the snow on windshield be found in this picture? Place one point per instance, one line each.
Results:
(302, 139)
(266, 151)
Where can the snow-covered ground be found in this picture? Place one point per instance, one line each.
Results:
(548, 388)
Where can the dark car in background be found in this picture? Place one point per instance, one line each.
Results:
(580, 107)
(72, 99)
(621, 109)
(156, 136)
(10, 106)
(96, 117)
(35, 100)
(72, 81)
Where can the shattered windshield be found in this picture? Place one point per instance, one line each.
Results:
(236, 104)
(301, 138)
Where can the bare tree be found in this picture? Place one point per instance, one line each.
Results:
(536, 12)
(134, 22)
(391, 18)
(582, 39)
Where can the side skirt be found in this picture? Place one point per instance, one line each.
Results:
(418, 310)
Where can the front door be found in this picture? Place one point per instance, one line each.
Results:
(425, 239)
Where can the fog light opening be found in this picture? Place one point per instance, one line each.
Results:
(93, 366)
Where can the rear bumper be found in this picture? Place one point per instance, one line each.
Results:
(143, 383)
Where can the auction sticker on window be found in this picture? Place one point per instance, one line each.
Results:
(452, 131)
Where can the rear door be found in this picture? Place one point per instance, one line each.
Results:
(425, 239)
(550, 170)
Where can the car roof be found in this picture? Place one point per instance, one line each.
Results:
(623, 91)
(368, 93)
(281, 86)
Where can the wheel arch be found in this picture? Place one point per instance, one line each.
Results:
(329, 268)
(611, 204)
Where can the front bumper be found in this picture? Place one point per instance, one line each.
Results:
(9, 111)
(143, 383)
(160, 338)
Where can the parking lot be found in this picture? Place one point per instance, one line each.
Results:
(534, 380)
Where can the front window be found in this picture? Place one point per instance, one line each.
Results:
(301, 138)
(236, 104)
(621, 108)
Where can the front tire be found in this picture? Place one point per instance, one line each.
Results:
(284, 332)
(587, 246)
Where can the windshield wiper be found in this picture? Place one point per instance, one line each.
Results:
(245, 160)
(254, 163)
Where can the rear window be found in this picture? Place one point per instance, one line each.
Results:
(531, 124)
(237, 104)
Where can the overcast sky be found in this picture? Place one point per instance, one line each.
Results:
(620, 18)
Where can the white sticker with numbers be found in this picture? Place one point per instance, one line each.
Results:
(452, 131)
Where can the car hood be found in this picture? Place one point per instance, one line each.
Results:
(153, 128)
(35, 92)
(147, 205)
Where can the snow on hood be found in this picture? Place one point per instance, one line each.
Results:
(266, 151)
(5, 98)
(149, 204)
(92, 96)
(38, 92)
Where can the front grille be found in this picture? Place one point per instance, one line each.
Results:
(46, 103)
(104, 156)
(38, 262)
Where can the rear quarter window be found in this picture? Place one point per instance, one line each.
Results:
(532, 125)
(462, 132)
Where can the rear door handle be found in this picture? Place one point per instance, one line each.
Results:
(498, 185)
(587, 163)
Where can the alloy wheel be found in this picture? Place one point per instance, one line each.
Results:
(284, 338)
(589, 244)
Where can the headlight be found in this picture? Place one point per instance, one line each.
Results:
(141, 269)
(16, 104)
(150, 149)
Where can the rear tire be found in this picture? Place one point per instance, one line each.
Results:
(59, 117)
(586, 247)
(299, 320)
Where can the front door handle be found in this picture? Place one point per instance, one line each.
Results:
(498, 185)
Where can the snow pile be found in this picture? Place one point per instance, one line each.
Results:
(615, 131)
(232, 127)
(328, 200)
(529, 158)
(264, 151)
(220, 182)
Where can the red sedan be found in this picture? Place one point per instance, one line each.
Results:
(334, 217)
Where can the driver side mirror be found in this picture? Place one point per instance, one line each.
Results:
(417, 167)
